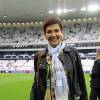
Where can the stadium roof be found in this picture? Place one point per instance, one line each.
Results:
(37, 10)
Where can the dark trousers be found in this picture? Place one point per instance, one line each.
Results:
(95, 93)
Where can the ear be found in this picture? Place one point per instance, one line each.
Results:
(45, 35)
(62, 34)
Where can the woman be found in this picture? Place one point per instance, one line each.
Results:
(59, 75)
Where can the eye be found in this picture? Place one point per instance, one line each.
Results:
(49, 31)
(56, 30)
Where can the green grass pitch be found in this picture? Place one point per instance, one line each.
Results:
(18, 86)
(15, 86)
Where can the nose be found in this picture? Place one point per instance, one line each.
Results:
(53, 34)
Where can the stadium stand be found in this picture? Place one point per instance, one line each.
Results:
(17, 44)
(16, 66)
(74, 31)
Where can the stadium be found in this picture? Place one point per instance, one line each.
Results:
(21, 36)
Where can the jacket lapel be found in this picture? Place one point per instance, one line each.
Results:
(66, 50)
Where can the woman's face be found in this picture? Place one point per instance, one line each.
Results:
(54, 34)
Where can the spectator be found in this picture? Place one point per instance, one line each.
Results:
(95, 78)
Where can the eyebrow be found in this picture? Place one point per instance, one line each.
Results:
(53, 29)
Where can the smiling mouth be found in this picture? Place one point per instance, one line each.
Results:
(54, 40)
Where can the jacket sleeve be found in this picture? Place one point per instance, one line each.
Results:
(80, 76)
(95, 69)
(34, 85)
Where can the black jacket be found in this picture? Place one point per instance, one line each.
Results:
(72, 63)
(95, 75)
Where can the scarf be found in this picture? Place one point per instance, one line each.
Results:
(58, 77)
